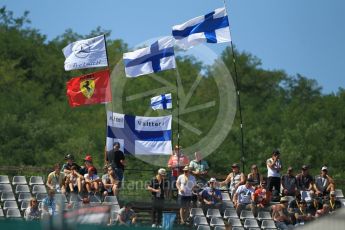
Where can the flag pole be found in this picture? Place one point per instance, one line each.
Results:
(178, 120)
(238, 94)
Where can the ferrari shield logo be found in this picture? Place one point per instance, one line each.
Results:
(87, 87)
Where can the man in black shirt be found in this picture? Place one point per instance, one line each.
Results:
(116, 159)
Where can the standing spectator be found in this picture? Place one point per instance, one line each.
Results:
(159, 190)
(324, 184)
(176, 163)
(49, 204)
(281, 216)
(74, 180)
(199, 168)
(289, 183)
(110, 182)
(66, 168)
(92, 181)
(211, 196)
(56, 180)
(301, 214)
(332, 202)
(255, 176)
(185, 184)
(305, 183)
(244, 197)
(126, 216)
(116, 158)
(235, 178)
(274, 166)
(32, 212)
(262, 198)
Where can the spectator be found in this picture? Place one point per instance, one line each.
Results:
(185, 184)
(85, 202)
(281, 216)
(87, 164)
(255, 176)
(322, 212)
(66, 168)
(235, 178)
(314, 205)
(293, 204)
(301, 213)
(126, 216)
(116, 158)
(262, 198)
(199, 168)
(32, 212)
(74, 180)
(305, 183)
(110, 182)
(274, 166)
(332, 202)
(176, 163)
(49, 204)
(289, 183)
(324, 184)
(56, 180)
(92, 181)
(159, 190)
(244, 197)
(211, 196)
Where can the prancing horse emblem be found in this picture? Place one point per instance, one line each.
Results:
(87, 87)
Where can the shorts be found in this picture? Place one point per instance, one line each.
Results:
(184, 201)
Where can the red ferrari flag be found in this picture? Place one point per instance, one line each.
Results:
(89, 89)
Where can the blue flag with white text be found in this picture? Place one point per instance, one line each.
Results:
(157, 57)
(211, 28)
(163, 101)
(139, 135)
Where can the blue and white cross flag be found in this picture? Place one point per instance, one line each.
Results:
(139, 135)
(157, 57)
(163, 101)
(210, 28)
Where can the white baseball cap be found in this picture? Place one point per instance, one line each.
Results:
(324, 168)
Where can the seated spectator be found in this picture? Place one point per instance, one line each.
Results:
(87, 164)
(56, 180)
(244, 197)
(74, 180)
(211, 196)
(289, 183)
(301, 214)
(293, 204)
(32, 212)
(322, 212)
(255, 176)
(110, 182)
(324, 184)
(235, 178)
(66, 168)
(92, 181)
(126, 216)
(332, 202)
(314, 205)
(262, 198)
(49, 204)
(281, 216)
(305, 183)
(199, 168)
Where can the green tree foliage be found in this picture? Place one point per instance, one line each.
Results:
(279, 111)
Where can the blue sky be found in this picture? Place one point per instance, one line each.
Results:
(306, 37)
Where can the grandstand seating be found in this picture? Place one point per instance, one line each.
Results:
(74, 198)
(61, 197)
(213, 213)
(230, 213)
(24, 196)
(228, 204)
(4, 179)
(203, 227)
(13, 213)
(94, 200)
(219, 228)
(200, 220)
(110, 200)
(216, 221)
(8, 204)
(339, 193)
(19, 180)
(250, 223)
(225, 196)
(245, 214)
(39, 189)
(5, 188)
(35, 180)
(22, 188)
(235, 222)
(41, 196)
(268, 224)
(237, 228)
(262, 215)
(25, 204)
(2, 215)
(196, 212)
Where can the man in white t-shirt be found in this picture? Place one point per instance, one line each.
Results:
(244, 197)
(274, 166)
(185, 184)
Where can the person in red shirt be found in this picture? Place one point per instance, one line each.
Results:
(262, 197)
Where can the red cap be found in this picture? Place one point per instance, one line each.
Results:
(88, 158)
(91, 169)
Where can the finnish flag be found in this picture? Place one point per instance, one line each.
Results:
(139, 135)
(210, 28)
(87, 53)
(161, 102)
(157, 57)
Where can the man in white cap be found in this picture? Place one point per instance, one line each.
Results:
(324, 184)
(280, 214)
(211, 196)
(185, 184)
(159, 190)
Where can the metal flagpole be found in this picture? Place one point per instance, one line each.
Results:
(238, 94)
(178, 119)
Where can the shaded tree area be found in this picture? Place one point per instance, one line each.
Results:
(279, 111)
